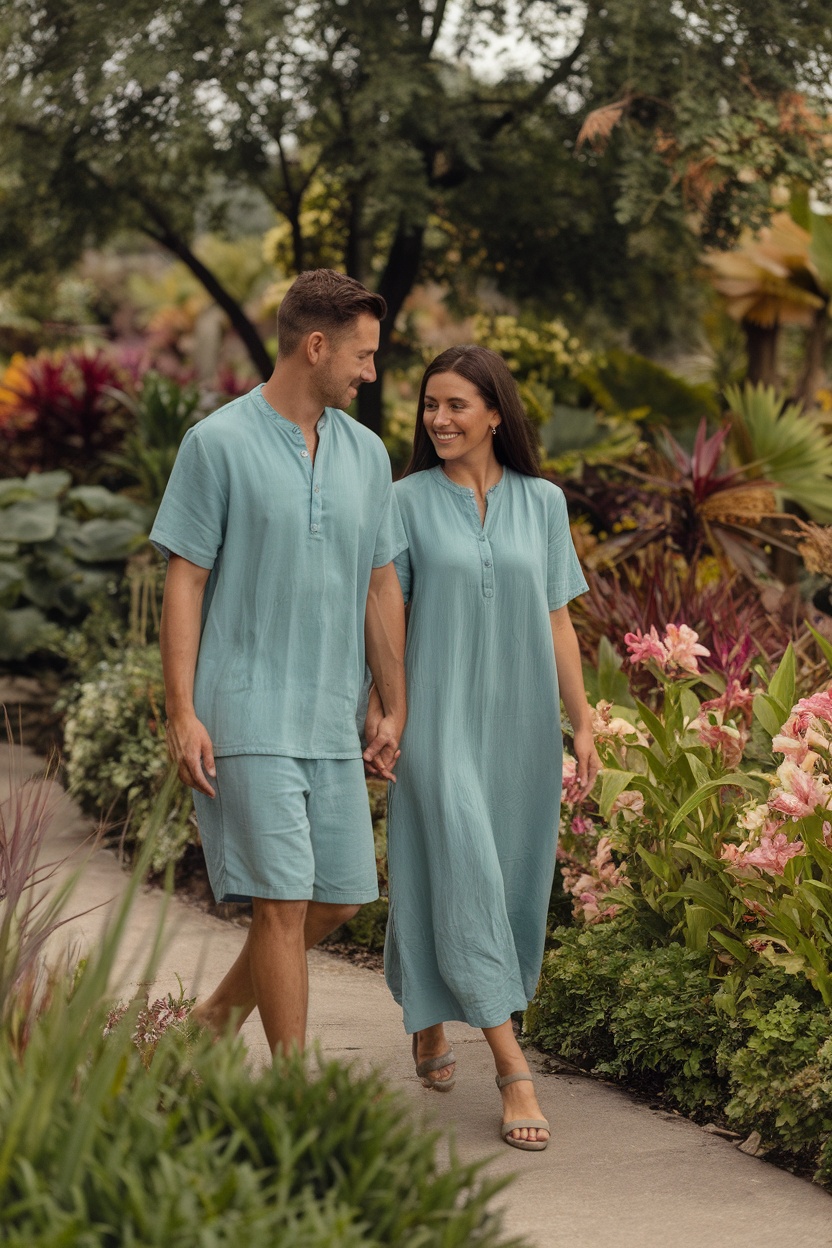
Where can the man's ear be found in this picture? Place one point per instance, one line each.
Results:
(315, 344)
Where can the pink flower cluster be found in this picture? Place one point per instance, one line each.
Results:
(674, 653)
(151, 1023)
(801, 788)
(589, 887)
(730, 739)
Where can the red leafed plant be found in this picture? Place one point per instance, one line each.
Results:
(61, 410)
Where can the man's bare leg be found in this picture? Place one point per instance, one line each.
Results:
(234, 998)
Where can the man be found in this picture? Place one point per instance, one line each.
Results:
(280, 529)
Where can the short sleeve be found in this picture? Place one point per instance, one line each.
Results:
(191, 519)
(390, 537)
(404, 572)
(565, 580)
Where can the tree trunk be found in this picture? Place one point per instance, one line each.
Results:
(812, 373)
(244, 328)
(397, 281)
(761, 346)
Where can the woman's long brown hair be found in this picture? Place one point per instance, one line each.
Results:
(514, 441)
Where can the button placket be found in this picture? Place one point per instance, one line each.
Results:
(315, 493)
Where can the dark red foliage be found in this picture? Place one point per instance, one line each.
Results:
(67, 414)
(655, 587)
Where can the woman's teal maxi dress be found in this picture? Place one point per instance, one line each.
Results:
(473, 818)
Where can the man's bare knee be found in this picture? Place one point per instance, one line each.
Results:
(288, 916)
(343, 914)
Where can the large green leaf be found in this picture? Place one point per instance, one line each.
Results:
(31, 520)
(105, 541)
(820, 250)
(11, 583)
(613, 783)
(738, 778)
(92, 502)
(49, 484)
(769, 713)
(23, 631)
(783, 684)
(824, 644)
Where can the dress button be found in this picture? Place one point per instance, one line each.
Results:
(304, 454)
(488, 563)
(313, 528)
(317, 489)
(488, 593)
(482, 537)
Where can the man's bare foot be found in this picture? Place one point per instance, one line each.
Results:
(520, 1101)
(432, 1043)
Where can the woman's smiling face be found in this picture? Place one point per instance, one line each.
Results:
(458, 422)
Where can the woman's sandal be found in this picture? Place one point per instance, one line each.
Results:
(433, 1063)
(530, 1146)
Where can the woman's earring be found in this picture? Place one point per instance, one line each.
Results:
(493, 431)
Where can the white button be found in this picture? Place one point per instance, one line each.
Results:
(313, 528)
(317, 489)
(488, 592)
(488, 563)
(304, 454)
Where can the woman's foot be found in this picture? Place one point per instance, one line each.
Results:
(428, 1045)
(520, 1101)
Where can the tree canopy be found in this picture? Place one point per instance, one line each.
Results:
(159, 116)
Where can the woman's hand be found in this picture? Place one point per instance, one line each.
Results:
(586, 757)
(382, 733)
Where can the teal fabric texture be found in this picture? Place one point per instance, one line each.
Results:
(290, 546)
(291, 829)
(473, 817)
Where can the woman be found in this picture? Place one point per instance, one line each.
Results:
(473, 818)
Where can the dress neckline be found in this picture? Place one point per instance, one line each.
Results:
(465, 490)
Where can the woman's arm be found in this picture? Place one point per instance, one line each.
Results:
(571, 681)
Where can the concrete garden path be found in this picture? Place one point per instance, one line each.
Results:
(615, 1174)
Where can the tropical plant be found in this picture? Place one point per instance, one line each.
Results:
(116, 757)
(162, 413)
(130, 1127)
(781, 275)
(61, 410)
(773, 438)
(61, 547)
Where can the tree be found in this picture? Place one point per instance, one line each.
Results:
(151, 114)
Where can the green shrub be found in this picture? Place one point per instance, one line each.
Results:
(115, 751)
(781, 1077)
(61, 548)
(654, 1016)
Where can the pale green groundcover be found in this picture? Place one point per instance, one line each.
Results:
(116, 754)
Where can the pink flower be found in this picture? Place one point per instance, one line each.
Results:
(571, 785)
(629, 801)
(793, 747)
(682, 646)
(733, 855)
(582, 826)
(819, 704)
(735, 698)
(644, 646)
(800, 794)
(773, 853)
(725, 737)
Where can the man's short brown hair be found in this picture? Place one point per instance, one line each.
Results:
(321, 299)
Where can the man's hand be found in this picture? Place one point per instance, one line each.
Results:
(382, 733)
(586, 757)
(190, 748)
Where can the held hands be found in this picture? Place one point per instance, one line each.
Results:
(190, 748)
(382, 733)
(586, 757)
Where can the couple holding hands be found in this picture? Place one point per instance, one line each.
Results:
(293, 560)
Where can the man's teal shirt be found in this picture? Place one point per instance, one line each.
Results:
(290, 546)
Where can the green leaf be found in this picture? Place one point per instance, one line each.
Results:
(769, 713)
(105, 541)
(708, 896)
(738, 778)
(31, 520)
(653, 724)
(661, 867)
(783, 684)
(613, 783)
(11, 583)
(824, 645)
(698, 923)
(740, 951)
(49, 485)
(23, 631)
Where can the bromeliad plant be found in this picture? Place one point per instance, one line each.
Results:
(702, 834)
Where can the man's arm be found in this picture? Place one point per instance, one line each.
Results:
(384, 635)
(189, 744)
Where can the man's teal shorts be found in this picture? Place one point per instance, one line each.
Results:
(290, 829)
